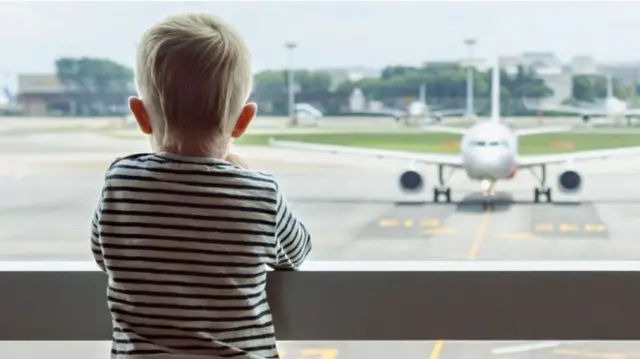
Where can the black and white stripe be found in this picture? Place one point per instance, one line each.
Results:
(185, 242)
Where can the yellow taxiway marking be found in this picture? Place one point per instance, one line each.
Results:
(436, 350)
(480, 234)
(475, 247)
(388, 222)
(569, 227)
(525, 235)
(564, 227)
(324, 353)
(544, 227)
(595, 228)
(409, 222)
(429, 222)
(436, 231)
(311, 353)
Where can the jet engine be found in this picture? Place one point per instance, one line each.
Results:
(411, 182)
(586, 119)
(569, 182)
(437, 119)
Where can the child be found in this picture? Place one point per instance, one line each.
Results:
(183, 234)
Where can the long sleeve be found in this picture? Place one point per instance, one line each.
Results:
(96, 249)
(292, 240)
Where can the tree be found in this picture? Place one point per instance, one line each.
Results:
(399, 85)
(310, 87)
(590, 88)
(93, 75)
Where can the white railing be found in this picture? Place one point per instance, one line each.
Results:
(370, 301)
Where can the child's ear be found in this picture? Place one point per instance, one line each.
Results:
(247, 114)
(140, 113)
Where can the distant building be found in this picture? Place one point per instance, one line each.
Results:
(37, 91)
(560, 83)
(441, 63)
(546, 66)
(45, 95)
(478, 64)
(625, 73)
(39, 83)
(583, 65)
(541, 60)
(510, 64)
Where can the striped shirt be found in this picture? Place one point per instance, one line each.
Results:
(186, 243)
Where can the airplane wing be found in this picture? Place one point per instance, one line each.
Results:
(569, 110)
(576, 110)
(531, 161)
(541, 130)
(445, 113)
(426, 158)
(632, 112)
(444, 129)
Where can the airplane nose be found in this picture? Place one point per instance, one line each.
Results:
(494, 163)
(490, 159)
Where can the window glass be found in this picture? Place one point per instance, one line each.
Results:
(65, 119)
(343, 76)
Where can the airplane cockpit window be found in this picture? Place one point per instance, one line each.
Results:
(480, 143)
(498, 144)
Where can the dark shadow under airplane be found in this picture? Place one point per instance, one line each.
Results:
(472, 203)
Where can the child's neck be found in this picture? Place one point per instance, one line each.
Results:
(196, 150)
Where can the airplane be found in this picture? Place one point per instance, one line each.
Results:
(307, 114)
(488, 153)
(420, 110)
(7, 103)
(611, 107)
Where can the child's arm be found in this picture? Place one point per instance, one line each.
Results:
(95, 235)
(293, 242)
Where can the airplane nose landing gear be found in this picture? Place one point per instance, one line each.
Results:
(488, 188)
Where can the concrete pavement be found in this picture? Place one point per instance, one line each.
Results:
(49, 185)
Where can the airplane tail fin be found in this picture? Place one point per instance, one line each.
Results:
(422, 96)
(6, 96)
(609, 86)
(495, 92)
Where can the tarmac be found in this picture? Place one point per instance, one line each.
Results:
(49, 183)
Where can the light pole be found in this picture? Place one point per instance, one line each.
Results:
(470, 111)
(291, 46)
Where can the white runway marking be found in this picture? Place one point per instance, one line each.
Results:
(531, 346)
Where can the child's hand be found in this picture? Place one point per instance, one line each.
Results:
(236, 160)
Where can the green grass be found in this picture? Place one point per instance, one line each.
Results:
(438, 142)
(447, 143)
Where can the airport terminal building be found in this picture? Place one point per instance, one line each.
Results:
(45, 95)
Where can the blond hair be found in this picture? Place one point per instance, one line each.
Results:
(193, 72)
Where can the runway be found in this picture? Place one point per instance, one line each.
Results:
(50, 182)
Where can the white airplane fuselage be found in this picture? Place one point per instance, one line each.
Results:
(489, 152)
(615, 107)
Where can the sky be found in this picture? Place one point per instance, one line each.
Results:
(329, 34)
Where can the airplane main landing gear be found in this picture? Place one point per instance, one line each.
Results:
(437, 192)
(539, 192)
(543, 190)
(442, 189)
